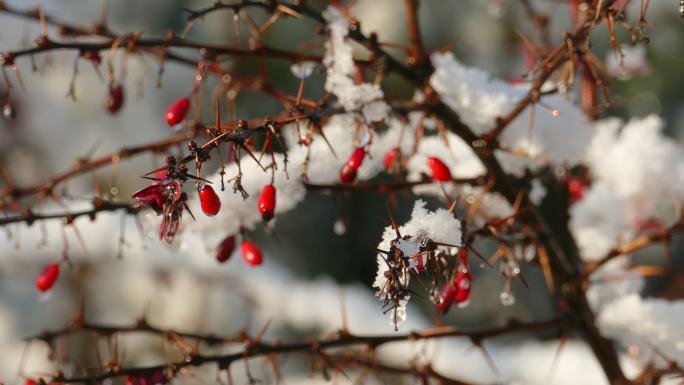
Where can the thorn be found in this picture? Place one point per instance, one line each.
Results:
(392, 221)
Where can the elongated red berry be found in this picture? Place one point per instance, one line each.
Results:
(251, 253)
(151, 196)
(446, 298)
(440, 171)
(115, 98)
(210, 202)
(267, 202)
(30, 381)
(177, 111)
(351, 167)
(391, 158)
(463, 282)
(576, 186)
(225, 249)
(47, 278)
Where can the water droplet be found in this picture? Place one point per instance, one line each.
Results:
(45, 296)
(339, 227)
(8, 112)
(302, 70)
(507, 298)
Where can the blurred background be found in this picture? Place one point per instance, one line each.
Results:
(50, 131)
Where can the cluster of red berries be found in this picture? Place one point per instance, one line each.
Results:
(251, 253)
(457, 289)
(438, 169)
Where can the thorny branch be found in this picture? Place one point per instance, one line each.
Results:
(255, 347)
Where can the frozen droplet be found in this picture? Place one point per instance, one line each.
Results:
(45, 296)
(507, 298)
(339, 227)
(303, 70)
(495, 8)
(510, 269)
(8, 112)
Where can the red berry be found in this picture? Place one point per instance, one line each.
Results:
(446, 298)
(576, 186)
(391, 158)
(225, 249)
(420, 264)
(47, 277)
(251, 253)
(463, 282)
(440, 171)
(115, 98)
(351, 167)
(210, 202)
(30, 382)
(151, 196)
(267, 202)
(177, 111)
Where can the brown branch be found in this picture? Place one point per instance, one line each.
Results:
(386, 187)
(416, 55)
(253, 348)
(421, 372)
(643, 241)
(99, 205)
(236, 131)
(131, 43)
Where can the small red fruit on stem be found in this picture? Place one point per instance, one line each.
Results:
(225, 249)
(251, 253)
(115, 98)
(210, 202)
(462, 282)
(351, 167)
(440, 171)
(177, 111)
(446, 298)
(47, 277)
(391, 158)
(576, 186)
(267, 202)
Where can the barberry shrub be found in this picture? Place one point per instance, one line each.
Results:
(516, 211)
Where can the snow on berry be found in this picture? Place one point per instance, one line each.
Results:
(424, 226)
